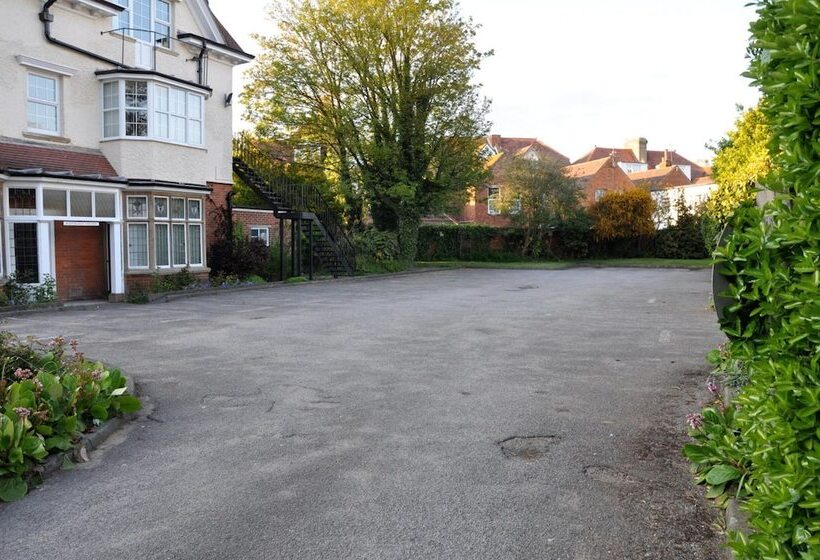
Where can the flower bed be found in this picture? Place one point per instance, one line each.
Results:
(49, 396)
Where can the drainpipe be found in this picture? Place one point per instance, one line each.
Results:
(47, 18)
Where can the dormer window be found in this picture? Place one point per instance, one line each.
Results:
(146, 20)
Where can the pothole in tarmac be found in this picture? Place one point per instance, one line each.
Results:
(527, 448)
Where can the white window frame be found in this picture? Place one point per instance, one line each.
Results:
(188, 245)
(599, 194)
(198, 203)
(258, 229)
(147, 265)
(167, 227)
(128, 207)
(37, 101)
(174, 226)
(167, 215)
(157, 90)
(128, 14)
(492, 200)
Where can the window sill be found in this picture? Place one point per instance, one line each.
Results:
(150, 139)
(47, 137)
(165, 271)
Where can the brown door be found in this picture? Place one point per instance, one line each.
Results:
(81, 262)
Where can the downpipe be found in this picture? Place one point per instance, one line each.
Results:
(47, 18)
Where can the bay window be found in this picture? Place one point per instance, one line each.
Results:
(152, 110)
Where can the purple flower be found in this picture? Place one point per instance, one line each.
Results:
(58, 341)
(96, 375)
(23, 373)
(22, 412)
(695, 420)
(713, 387)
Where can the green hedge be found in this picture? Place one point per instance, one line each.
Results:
(766, 443)
(486, 243)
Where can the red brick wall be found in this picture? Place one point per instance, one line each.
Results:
(79, 255)
(251, 218)
(478, 213)
(609, 179)
(215, 203)
(146, 281)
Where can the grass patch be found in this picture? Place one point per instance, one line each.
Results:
(562, 265)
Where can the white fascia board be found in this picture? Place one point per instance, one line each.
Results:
(227, 54)
(45, 65)
(202, 14)
(94, 8)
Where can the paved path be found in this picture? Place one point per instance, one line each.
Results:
(361, 420)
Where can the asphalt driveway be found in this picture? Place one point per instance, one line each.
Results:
(362, 419)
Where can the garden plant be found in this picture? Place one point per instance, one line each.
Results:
(50, 394)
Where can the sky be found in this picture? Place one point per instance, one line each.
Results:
(582, 73)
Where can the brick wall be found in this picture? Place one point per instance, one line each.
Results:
(259, 218)
(215, 203)
(607, 178)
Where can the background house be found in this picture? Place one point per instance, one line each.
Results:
(598, 177)
(115, 140)
(500, 152)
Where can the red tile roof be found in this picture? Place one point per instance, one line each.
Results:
(520, 146)
(623, 154)
(18, 155)
(586, 168)
(661, 178)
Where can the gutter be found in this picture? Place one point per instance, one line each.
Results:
(47, 18)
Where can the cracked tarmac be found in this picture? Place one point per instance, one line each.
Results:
(362, 420)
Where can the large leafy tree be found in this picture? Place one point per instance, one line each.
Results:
(741, 160)
(539, 199)
(387, 87)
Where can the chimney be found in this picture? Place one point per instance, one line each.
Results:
(638, 147)
(613, 158)
(666, 161)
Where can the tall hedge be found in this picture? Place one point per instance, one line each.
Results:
(772, 442)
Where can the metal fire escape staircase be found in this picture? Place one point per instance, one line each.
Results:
(310, 216)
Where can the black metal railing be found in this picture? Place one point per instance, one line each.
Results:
(154, 40)
(260, 169)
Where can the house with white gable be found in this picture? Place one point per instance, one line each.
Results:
(115, 140)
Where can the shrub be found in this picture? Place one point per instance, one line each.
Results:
(624, 215)
(684, 240)
(49, 396)
(377, 251)
(240, 257)
(16, 293)
(469, 242)
(176, 282)
(772, 261)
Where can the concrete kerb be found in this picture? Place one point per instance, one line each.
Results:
(92, 440)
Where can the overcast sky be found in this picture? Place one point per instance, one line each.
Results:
(581, 73)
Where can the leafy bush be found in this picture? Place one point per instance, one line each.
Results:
(49, 396)
(624, 215)
(684, 240)
(176, 282)
(377, 251)
(772, 261)
(17, 293)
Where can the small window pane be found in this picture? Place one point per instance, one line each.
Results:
(136, 122)
(111, 95)
(41, 117)
(194, 209)
(195, 244)
(111, 124)
(24, 253)
(178, 208)
(81, 204)
(137, 245)
(22, 202)
(137, 206)
(42, 88)
(194, 106)
(161, 244)
(178, 242)
(160, 207)
(105, 205)
(54, 203)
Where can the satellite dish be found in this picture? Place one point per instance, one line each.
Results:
(720, 283)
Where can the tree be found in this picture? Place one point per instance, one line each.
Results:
(387, 86)
(741, 160)
(621, 215)
(539, 199)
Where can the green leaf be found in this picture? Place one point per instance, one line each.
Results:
(720, 474)
(12, 489)
(100, 412)
(58, 442)
(129, 404)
